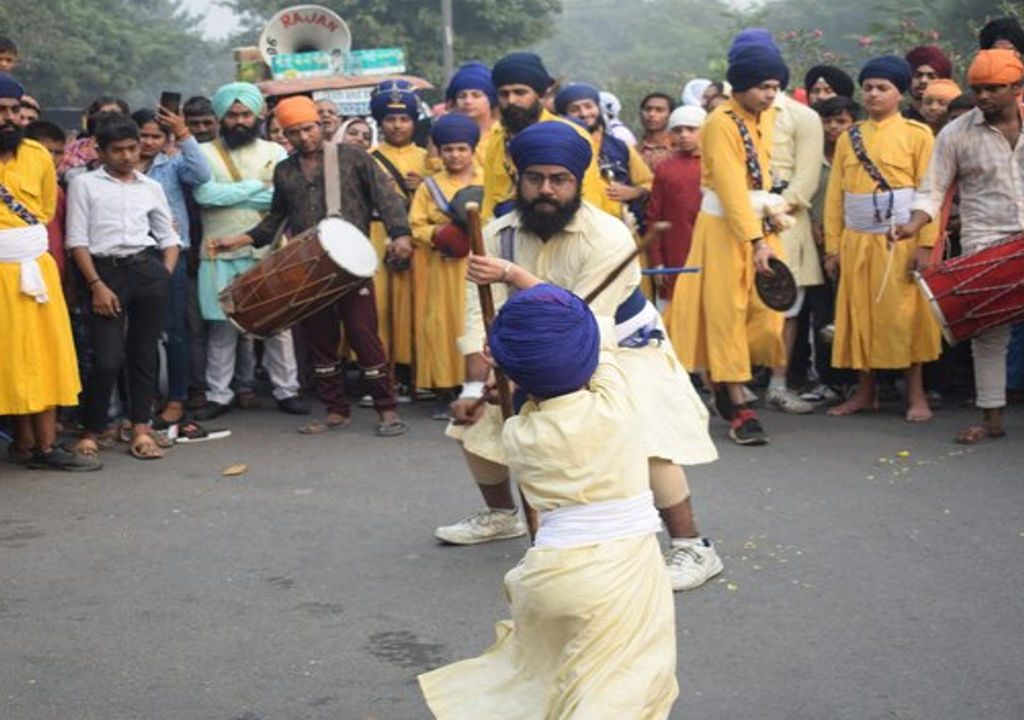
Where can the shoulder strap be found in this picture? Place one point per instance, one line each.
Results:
(437, 196)
(332, 180)
(229, 162)
(753, 164)
(395, 173)
(881, 184)
(506, 243)
(16, 207)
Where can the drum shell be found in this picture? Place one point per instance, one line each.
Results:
(974, 293)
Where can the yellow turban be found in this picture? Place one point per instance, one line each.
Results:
(995, 67)
(296, 110)
(943, 88)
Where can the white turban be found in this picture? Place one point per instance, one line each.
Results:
(687, 115)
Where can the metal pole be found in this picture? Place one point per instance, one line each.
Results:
(447, 40)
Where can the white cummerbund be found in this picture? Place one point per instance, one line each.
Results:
(862, 210)
(577, 525)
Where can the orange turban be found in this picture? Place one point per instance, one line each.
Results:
(296, 110)
(995, 67)
(943, 88)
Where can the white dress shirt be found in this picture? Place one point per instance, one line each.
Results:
(116, 218)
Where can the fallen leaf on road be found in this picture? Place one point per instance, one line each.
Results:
(239, 469)
(903, 454)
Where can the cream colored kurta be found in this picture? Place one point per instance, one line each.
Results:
(797, 154)
(879, 326)
(674, 421)
(592, 634)
(439, 363)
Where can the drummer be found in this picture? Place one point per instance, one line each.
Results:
(299, 199)
(980, 153)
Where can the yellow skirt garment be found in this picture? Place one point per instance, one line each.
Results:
(438, 362)
(592, 637)
(38, 365)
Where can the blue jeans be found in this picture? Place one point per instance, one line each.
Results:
(176, 343)
(1015, 359)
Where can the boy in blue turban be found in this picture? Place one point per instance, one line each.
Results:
(471, 92)
(576, 644)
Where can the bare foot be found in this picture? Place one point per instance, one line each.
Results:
(858, 403)
(919, 412)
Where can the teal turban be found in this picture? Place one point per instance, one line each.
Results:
(243, 92)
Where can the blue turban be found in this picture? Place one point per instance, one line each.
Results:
(752, 36)
(752, 64)
(551, 142)
(888, 67)
(546, 340)
(10, 87)
(522, 68)
(573, 93)
(243, 92)
(394, 97)
(455, 128)
(472, 76)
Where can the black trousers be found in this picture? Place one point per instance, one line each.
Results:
(142, 286)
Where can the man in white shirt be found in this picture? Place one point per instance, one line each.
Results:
(122, 238)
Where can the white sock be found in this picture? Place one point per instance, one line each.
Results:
(777, 383)
(690, 542)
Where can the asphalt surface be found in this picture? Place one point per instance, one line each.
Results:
(872, 571)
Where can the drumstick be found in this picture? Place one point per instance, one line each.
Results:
(476, 239)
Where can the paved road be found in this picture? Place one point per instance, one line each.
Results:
(859, 584)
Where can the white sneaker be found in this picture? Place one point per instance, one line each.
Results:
(690, 566)
(820, 394)
(785, 400)
(482, 527)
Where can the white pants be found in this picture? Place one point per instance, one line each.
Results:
(989, 352)
(278, 358)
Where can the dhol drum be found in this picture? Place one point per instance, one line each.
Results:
(974, 293)
(312, 271)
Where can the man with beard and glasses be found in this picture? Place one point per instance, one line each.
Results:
(981, 153)
(555, 236)
(300, 200)
(80, 155)
(521, 80)
(38, 368)
(200, 119)
(234, 200)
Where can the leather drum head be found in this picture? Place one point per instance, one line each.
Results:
(468, 194)
(347, 247)
(778, 290)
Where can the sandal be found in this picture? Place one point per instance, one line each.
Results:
(193, 432)
(124, 431)
(318, 427)
(144, 447)
(108, 438)
(86, 447)
(392, 429)
(977, 434)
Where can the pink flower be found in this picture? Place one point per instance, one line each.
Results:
(864, 40)
(934, 34)
(817, 33)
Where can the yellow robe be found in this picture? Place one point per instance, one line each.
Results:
(38, 364)
(411, 158)
(499, 182)
(879, 328)
(592, 634)
(716, 319)
(439, 364)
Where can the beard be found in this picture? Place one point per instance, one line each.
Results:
(550, 221)
(10, 137)
(516, 118)
(238, 136)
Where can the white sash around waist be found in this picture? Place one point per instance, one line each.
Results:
(859, 210)
(25, 245)
(711, 204)
(577, 525)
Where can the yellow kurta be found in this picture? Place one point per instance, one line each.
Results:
(38, 364)
(716, 319)
(411, 158)
(439, 364)
(879, 328)
(592, 634)
(674, 421)
(499, 183)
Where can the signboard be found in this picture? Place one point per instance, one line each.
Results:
(350, 102)
(378, 61)
(306, 65)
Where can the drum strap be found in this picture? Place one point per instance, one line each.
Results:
(332, 179)
(229, 162)
(437, 196)
(393, 171)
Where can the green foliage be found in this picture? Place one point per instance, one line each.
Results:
(73, 50)
(484, 29)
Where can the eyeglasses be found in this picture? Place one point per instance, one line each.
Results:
(558, 180)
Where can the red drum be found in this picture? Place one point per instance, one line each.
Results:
(974, 293)
(309, 273)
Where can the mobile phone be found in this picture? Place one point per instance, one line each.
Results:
(171, 102)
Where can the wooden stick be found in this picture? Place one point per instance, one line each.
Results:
(474, 227)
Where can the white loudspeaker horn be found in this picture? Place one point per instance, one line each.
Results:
(305, 28)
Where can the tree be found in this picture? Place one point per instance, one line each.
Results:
(484, 29)
(72, 50)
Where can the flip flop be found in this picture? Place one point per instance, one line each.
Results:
(193, 432)
(144, 447)
(392, 429)
(976, 434)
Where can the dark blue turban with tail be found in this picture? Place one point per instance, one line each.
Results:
(552, 142)
(453, 128)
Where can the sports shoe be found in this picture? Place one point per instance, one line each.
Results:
(690, 566)
(60, 458)
(786, 400)
(745, 429)
(820, 394)
(482, 527)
